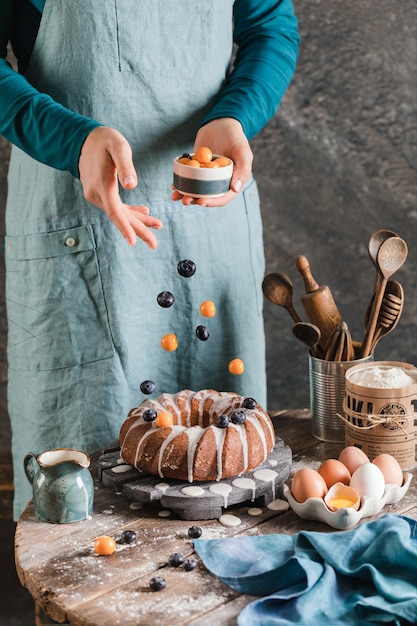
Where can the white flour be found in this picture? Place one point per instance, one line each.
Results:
(384, 377)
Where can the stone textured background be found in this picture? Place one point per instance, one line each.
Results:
(337, 162)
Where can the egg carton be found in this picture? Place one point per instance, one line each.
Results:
(172, 494)
(316, 509)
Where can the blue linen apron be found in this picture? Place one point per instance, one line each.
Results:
(84, 323)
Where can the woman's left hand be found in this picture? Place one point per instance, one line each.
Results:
(224, 136)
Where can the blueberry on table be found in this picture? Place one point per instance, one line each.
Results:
(176, 559)
(149, 415)
(128, 536)
(186, 268)
(165, 299)
(147, 387)
(157, 583)
(202, 333)
(190, 564)
(238, 417)
(194, 532)
(249, 403)
(222, 421)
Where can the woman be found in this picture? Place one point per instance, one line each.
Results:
(107, 94)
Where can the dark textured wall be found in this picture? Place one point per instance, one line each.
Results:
(336, 163)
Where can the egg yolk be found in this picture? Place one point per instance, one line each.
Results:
(104, 545)
(169, 342)
(164, 419)
(208, 308)
(236, 366)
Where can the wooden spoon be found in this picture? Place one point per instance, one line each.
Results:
(310, 335)
(387, 321)
(278, 289)
(391, 256)
(376, 239)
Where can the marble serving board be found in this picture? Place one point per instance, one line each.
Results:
(205, 500)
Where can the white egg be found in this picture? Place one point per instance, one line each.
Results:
(368, 480)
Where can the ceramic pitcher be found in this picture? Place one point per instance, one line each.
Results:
(63, 488)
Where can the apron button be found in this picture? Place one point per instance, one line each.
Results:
(70, 242)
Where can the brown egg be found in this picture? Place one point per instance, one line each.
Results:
(307, 483)
(352, 457)
(390, 468)
(334, 471)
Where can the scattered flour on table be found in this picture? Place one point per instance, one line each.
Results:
(384, 377)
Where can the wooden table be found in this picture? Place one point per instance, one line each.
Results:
(58, 565)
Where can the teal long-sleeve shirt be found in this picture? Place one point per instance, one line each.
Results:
(266, 35)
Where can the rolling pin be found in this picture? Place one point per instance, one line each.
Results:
(318, 303)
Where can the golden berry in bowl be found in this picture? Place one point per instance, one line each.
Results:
(203, 174)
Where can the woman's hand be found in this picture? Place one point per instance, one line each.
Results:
(105, 161)
(224, 136)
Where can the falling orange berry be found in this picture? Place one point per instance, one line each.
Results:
(236, 366)
(208, 308)
(169, 342)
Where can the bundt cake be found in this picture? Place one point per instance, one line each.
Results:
(195, 436)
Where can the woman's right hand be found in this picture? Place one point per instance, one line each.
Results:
(105, 161)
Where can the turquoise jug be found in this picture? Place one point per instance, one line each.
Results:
(63, 487)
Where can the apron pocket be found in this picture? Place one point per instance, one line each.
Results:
(55, 306)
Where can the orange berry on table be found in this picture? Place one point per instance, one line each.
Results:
(203, 155)
(208, 308)
(236, 366)
(104, 545)
(164, 419)
(222, 161)
(169, 342)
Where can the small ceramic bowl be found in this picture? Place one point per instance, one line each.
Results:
(202, 182)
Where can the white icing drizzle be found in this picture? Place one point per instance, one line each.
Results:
(278, 505)
(162, 486)
(266, 476)
(192, 491)
(219, 435)
(119, 469)
(221, 489)
(260, 431)
(175, 431)
(230, 520)
(255, 511)
(194, 435)
(243, 440)
(245, 483)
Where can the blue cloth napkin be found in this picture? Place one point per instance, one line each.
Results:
(367, 575)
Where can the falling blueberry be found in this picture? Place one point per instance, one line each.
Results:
(194, 532)
(222, 421)
(202, 333)
(128, 536)
(165, 299)
(186, 268)
(149, 415)
(147, 387)
(249, 403)
(176, 559)
(190, 564)
(157, 583)
(238, 417)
